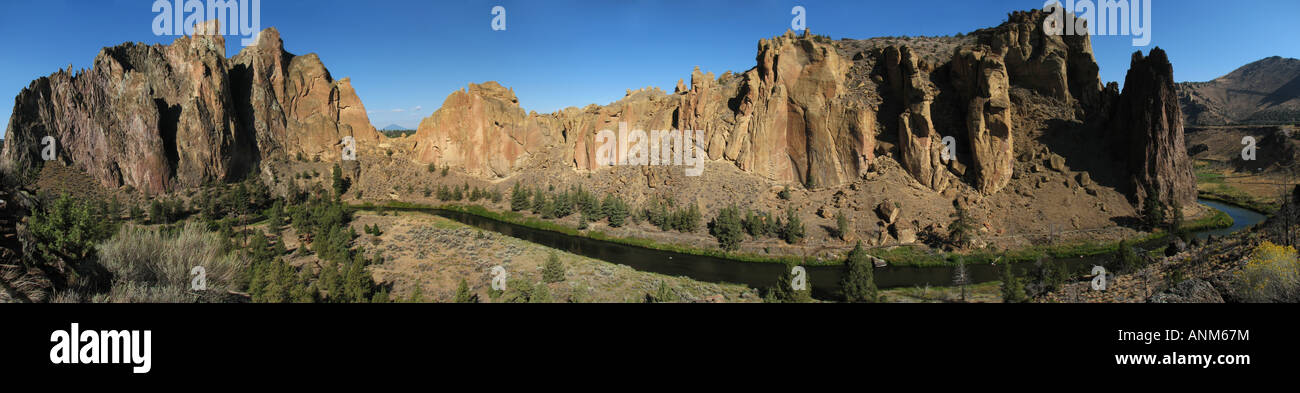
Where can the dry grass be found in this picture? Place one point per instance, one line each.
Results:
(154, 267)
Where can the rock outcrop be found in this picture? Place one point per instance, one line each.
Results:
(160, 117)
(292, 104)
(482, 130)
(919, 144)
(980, 77)
(1061, 66)
(1147, 132)
(787, 120)
(794, 122)
(148, 117)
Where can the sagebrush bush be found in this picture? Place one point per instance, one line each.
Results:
(140, 257)
(1271, 275)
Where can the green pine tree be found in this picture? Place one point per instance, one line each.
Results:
(1013, 289)
(463, 295)
(553, 270)
(859, 283)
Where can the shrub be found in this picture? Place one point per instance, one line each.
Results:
(663, 294)
(1126, 260)
(69, 228)
(553, 271)
(1271, 275)
(140, 257)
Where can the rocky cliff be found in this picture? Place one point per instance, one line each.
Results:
(482, 130)
(1147, 133)
(812, 111)
(160, 117)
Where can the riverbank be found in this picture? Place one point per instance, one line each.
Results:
(1240, 200)
(907, 256)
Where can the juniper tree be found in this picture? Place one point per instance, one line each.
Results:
(1013, 289)
(793, 231)
(727, 228)
(463, 294)
(784, 292)
(859, 283)
(842, 226)
(553, 270)
(1153, 211)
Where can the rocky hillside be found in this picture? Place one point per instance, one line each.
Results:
(820, 113)
(156, 118)
(851, 124)
(1263, 92)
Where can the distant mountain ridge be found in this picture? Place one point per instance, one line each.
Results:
(396, 127)
(1263, 92)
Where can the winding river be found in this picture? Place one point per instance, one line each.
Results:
(824, 279)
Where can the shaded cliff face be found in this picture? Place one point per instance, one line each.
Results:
(1147, 131)
(160, 117)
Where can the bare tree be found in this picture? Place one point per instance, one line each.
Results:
(961, 277)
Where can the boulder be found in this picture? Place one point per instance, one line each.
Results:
(888, 211)
(1057, 163)
(1189, 291)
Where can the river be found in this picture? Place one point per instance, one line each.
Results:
(824, 279)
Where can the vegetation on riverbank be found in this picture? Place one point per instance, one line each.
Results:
(917, 256)
(1213, 185)
(1234, 197)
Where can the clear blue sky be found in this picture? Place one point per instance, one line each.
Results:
(405, 57)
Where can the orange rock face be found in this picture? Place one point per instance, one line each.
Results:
(293, 103)
(788, 122)
(481, 129)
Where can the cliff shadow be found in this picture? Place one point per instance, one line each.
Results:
(169, 118)
(1086, 148)
(245, 156)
